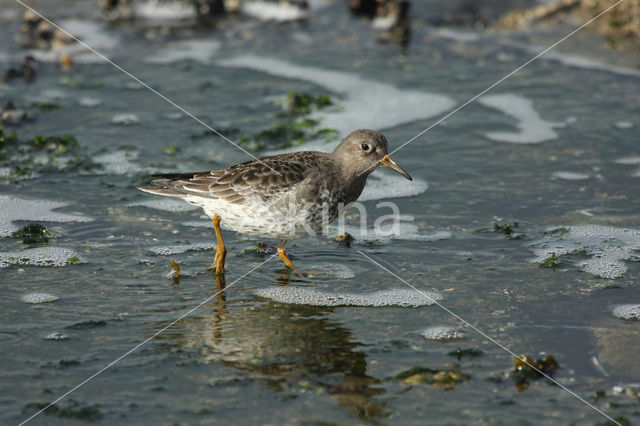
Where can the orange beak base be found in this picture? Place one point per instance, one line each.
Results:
(390, 164)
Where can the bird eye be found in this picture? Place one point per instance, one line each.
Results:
(364, 147)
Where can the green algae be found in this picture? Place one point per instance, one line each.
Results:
(446, 378)
(526, 369)
(33, 233)
(550, 262)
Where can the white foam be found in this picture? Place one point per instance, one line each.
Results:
(190, 50)
(455, 35)
(632, 160)
(381, 186)
(442, 332)
(56, 335)
(155, 10)
(182, 248)
(332, 270)
(624, 125)
(36, 298)
(13, 209)
(582, 62)
(125, 119)
(532, 128)
(367, 104)
(608, 246)
(89, 102)
(271, 11)
(40, 256)
(404, 229)
(166, 204)
(197, 224)
(571, 175)
(407, 298)
(628, 312)
(119, 162)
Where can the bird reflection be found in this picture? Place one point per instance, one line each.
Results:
(283, 345)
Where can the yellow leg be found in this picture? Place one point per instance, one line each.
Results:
(285, 259)
(221, 251)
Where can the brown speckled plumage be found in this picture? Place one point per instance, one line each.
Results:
(283, 196)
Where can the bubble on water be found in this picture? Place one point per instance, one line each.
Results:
(308, 296)
(177, 249)
(331, 269)
(13, 209)
(571, 175)
(35, 298)
(125, 119)
(56, 335)
(624, 124)
(40, 256)
(628, 312)
(608, 247)
(165, 204)
(442, 332)
(189, 50)
(532, 128)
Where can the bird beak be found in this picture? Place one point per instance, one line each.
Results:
(389, 163)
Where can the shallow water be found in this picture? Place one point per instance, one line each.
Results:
(545, 149)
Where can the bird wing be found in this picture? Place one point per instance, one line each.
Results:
(264, 178)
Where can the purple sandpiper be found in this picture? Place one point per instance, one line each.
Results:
(281, 196)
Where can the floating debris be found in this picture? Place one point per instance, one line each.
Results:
(526, 369)
(25, 70)
(446, 378)
(406, 298)
(36, 298)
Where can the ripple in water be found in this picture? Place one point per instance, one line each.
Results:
(406, 298)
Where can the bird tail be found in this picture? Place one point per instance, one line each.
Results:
(168, 184)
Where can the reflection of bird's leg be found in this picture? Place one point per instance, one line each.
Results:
(285, 258)
(221, 251)
(220, 305)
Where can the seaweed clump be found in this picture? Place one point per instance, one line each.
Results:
(446, 378)
(44, 154)
(297, 127)
(526, 369)
(33, 233)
